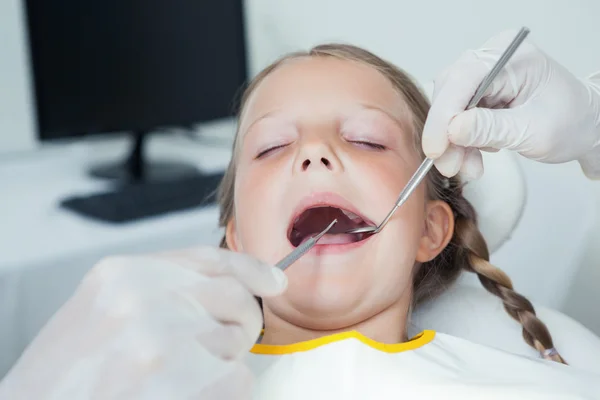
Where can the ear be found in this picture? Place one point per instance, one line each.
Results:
(231, 237)
(438, 230)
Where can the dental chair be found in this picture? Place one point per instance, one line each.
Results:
(468, 311)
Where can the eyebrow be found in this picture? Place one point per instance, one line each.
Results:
(363, 106)
(396, 119)
(261, 118)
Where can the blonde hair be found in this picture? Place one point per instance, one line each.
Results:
(467, 249)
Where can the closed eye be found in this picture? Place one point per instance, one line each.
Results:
(369, 144)
(269, 150)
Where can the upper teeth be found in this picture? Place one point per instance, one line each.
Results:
(352, 216)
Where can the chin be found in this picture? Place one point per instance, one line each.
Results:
(322, 305)
(326, 299)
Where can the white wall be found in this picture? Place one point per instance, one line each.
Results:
(17, 127)
(583, 300)
(423, 36)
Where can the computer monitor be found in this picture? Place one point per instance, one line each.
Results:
(105, 66)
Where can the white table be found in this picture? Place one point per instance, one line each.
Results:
(45, 250)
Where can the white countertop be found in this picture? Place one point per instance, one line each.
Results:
(34, 228)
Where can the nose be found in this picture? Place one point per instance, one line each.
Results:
(317, 155)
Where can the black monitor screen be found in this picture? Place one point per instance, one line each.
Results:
(114, 65)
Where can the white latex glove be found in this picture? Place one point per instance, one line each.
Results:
(171, 326)
(534, 106)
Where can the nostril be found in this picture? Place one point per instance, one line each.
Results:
(325, 162)
(305, 164)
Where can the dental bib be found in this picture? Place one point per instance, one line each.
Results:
(350, 366)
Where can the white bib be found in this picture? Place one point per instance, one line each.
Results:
(350, 366)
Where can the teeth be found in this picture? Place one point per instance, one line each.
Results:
(353, 217)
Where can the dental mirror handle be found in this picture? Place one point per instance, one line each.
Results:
(427, 164)
(302, 249)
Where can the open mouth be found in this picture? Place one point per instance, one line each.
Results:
(313, 220)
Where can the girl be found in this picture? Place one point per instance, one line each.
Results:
(335, 133)
(329, 134)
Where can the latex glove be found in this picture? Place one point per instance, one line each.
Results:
(171, 326)
(534, 106)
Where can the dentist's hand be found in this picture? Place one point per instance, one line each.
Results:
(170, 326)
(535, 107)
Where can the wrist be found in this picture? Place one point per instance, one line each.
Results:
(590, 162)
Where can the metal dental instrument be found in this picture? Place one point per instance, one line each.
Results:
(421, 172)
(426, 165)
(302, 249)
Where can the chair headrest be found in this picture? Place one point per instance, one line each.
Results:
(498, 197)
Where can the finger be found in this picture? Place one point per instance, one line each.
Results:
(489, 149)
(260, 278)
(453, 91)
(472, 165)
(482, 127)
(226, 341)
(229, 302)
(450, 162)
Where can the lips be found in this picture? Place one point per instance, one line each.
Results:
(317, 212)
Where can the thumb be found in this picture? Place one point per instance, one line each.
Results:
(485, 128)
(259, 278)
(450, 162)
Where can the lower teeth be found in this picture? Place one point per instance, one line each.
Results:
(342, 238)
(338, 238)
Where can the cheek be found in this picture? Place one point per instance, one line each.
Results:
(398, 243)
(385, 177)
(393, 261)
(256, 211)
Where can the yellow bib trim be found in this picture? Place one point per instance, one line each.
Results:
(418, 341)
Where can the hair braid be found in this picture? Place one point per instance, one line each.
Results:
(497, 282)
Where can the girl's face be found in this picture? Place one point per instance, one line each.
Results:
(326, 132)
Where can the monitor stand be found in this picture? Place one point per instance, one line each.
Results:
(138, 169)
(145, 189)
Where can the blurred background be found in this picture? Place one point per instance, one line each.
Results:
(116, 125)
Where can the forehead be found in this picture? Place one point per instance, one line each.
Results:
(322, 86)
